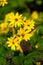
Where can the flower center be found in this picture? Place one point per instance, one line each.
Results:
(12, 42)
(16, 19)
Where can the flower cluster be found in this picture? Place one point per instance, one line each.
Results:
(20, 27)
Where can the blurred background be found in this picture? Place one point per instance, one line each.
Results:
(26, 7)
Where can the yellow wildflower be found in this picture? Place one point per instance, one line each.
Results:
(24, 33)
(13, 19)
(34, 15)
(21, 31)
(14, 43)
(29, 25)
(11, 43)
(18, 19)
(3, 2)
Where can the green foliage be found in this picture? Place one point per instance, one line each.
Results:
(18, 60)
(32, 57)
(2, 60)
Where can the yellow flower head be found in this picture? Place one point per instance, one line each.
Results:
(35, 15)
(14, 19)
(29, 24)
(3, 2)
(18, 19)
(22, 31)
(24, 34)
(14, 43)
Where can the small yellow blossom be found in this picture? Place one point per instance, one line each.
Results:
(21, 31)
(24, 33)
(14, 19)
(18, 19)
(34, 15)
(14, 43)
(29, 23)
(3, 2)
